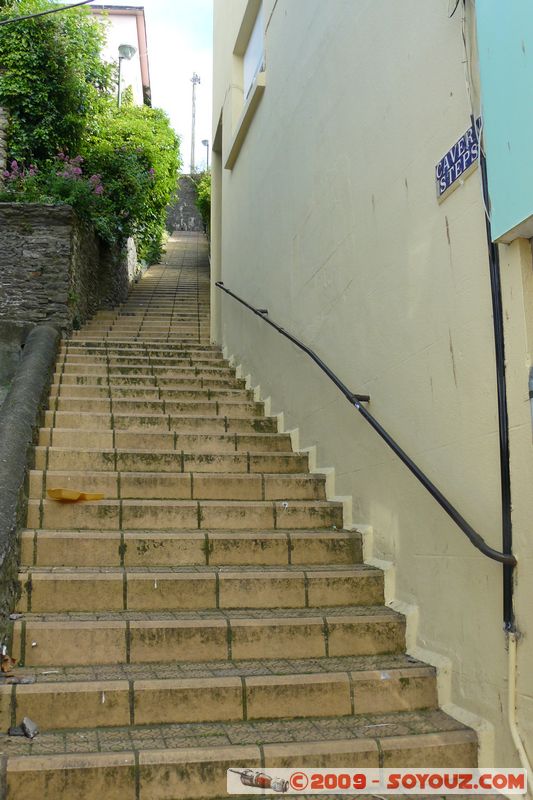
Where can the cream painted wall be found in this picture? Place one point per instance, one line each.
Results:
(329, 219)
(123, 30)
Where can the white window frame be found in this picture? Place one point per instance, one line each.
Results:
(254, 55)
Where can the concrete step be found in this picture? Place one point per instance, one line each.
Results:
(56, 640)
(67, 548)
(118, 370)
(162, 773)
(143, 405)
(179, 514)
(174, 380)
(341, 688)
(84, 420)
(104, 359)
(206, 443)
(71, 353)
(158, 339)
(127, 344)
(118, 392)
(109, 460)
(56, 590)
(180, 485)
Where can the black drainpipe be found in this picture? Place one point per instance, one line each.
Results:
(503, 419)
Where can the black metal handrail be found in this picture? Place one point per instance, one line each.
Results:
(356, 400)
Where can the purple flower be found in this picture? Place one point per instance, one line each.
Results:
(14, 166)
(99, 189)
(95, 179)
(77, 171)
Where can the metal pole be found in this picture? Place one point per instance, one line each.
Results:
(205, 143)
(195, 80)
(503, 418)
(119, 80)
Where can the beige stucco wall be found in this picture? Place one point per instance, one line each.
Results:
(329, 219)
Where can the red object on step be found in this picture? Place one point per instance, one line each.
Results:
(260, 780)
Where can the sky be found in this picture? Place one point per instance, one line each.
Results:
(180, 37)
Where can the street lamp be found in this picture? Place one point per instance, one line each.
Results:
(205, 143)
(195, 80)
(125, 51)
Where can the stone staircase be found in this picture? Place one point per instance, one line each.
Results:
(210, 611)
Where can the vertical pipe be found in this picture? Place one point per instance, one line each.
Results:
(503, 419)
(193, 132)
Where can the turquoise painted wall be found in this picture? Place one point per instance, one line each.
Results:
(505, 43)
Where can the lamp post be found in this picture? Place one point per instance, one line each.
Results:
(205, 143)
(125, 51)
(195, 80)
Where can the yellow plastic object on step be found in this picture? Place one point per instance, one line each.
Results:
(72, 496)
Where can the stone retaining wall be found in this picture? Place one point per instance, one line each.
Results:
(184, 214)
(54, 268)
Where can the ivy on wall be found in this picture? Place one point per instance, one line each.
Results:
(203, 200)
(53, 78)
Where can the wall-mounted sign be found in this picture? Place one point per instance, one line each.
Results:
(459, 162)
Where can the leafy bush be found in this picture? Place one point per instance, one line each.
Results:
(203, 199)
(136, 152)
(68, 141)
(53, 78)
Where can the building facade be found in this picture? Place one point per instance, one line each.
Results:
(127, 25)
(348, 201)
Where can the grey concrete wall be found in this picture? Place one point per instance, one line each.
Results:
(19, 421)
(54, 268)
(184, 215)
(12, 337)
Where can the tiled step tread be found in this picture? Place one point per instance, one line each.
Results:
(210, 569)
(243, 695)
(216, 614)
(381, 727)
(140, 772)
(214, 669)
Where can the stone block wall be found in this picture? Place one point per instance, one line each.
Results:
(53, 267)
(184, 214)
